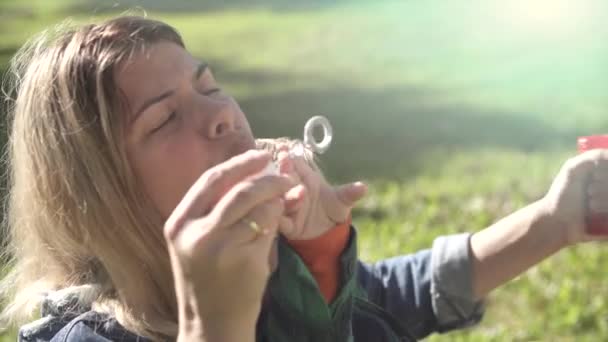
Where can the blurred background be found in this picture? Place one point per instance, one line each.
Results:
(457, 112)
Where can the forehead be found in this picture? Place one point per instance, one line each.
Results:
(153, 71)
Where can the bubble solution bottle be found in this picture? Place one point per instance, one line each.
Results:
(597, 223)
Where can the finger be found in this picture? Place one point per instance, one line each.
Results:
(598, 156)
(294, 199)
(286, 226)
(263, 219)
(311, 182)
(282, 147)
(263, 247)
(273, 257)
(286, 166)
(307, 175)
(345, 198)
(283, 153)
(214, 183)
(349, 194)
(601, 159)
(258, 253)
(243, 197)
(582, 165)
(598, 205)
(599, 174)
(594, 237)
(598, 188)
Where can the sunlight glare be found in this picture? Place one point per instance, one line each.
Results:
(546, 17)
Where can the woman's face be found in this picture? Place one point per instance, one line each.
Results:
(180, 123)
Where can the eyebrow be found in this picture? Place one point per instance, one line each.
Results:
(200, 69)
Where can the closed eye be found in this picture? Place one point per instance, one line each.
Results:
(212, 91)
(164, 123)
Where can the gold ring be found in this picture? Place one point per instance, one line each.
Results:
(253, 226)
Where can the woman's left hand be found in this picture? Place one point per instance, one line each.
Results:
(314, 207)
(581, 186)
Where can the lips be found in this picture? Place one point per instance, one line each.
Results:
(241, 144)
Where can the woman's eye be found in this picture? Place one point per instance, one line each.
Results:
(212, 91)
(164, 123)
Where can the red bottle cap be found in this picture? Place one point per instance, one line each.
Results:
(592, 142)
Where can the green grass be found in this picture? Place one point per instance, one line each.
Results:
(456, 115)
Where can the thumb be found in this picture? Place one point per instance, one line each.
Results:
(287, 227)
(349, 194)
(580, 167)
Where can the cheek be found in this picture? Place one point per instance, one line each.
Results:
(166, 171)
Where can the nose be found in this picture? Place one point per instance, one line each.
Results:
(222, 122)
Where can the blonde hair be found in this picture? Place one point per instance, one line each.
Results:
(76, 216)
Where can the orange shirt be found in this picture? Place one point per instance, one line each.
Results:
(322, 257)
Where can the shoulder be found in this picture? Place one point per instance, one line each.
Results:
(89, 326)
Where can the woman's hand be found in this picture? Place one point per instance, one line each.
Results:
(314, 206)
(220, 262)
(528, 236)
(581, 185)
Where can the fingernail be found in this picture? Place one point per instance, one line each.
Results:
(300, 189)
(294, 195)
(360, 184)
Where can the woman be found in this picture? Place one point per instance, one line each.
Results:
(139, 210)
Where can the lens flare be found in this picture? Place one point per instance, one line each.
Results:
(557, 18)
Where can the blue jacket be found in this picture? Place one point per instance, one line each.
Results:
(407, 297)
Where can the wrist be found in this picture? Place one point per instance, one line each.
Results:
(555, 229)
(233, 328)
(197, 326)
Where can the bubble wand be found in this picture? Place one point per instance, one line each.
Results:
(309, 142)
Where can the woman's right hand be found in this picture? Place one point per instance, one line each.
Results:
(220, 263)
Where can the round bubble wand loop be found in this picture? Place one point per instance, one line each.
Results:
(309, 141)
